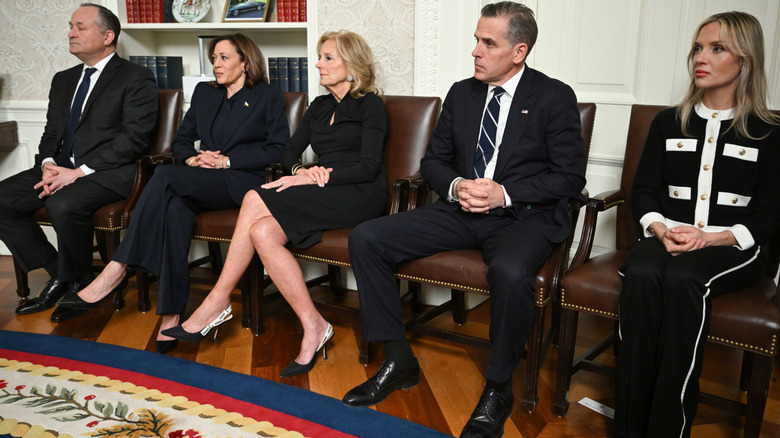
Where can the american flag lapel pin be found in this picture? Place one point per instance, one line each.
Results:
(247, 104)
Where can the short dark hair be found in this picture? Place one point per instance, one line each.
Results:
(249, 53)
(106, 20)
(522, 24)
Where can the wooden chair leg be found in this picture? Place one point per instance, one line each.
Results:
(458, 306)
(143, 280)
(415, 290)
(256, 288)
(757, 393)
(566, 338)
(215, 251)
(747, 369)
(533, 359)
(246, 299)
(336, 280)
(22, 286)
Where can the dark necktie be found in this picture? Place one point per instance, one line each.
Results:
(487, 135)
(66, 150)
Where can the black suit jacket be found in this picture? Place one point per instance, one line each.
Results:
(116, 123)
(258, 130)
(541, 159)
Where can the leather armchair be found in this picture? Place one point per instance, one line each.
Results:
(465, 271)
(748, 320)
(111, 219)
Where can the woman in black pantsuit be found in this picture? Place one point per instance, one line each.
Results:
(347, 130)
(707, 194)
(241, 123)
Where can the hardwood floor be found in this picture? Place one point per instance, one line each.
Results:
(452, 374)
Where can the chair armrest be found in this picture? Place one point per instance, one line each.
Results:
(273, 172)
(144, 167)
(601, 202)
(418, 191)
(400, 197)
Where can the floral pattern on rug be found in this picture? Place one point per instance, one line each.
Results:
(38, 400)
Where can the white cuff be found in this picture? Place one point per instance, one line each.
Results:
(648, 219)
(744, 237)
(86, 169)
(507, 199)
(451, 195)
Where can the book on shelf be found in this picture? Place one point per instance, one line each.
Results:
(289, 73)
(294, 67)
(293, 10)
(304, 74)
(302, 11)
(167, 70)
(284, 73)
(273, 71)
(149, 11)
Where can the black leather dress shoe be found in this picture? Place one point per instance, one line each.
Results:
(72, 305)
(489, 416)
(389, 378)
(51, 293)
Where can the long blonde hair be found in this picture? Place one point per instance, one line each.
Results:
(356, 54)
(741, 34)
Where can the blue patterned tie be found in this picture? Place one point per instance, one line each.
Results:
(66, 150)
(487, 135)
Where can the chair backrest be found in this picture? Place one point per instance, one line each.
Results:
(411, 120)
(294, 105)
(627, 229)
(168, 119)
(587, 118)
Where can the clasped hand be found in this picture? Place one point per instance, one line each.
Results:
(56, 177)
(304, 176)
(684, 238)
(479, 195)
(208, 160)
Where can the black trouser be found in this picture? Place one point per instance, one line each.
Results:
(160, 233)
(513, 251)
(665, 307)
(70, 209)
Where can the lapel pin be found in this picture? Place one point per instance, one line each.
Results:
(524, 111)
(247, 105)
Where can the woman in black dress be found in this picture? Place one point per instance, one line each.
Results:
(240, 121)
(347, 130)
(707, 194)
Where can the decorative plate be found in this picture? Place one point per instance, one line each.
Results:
(190, 11)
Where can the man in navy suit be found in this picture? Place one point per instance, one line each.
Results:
(505, 157)
(100, 117)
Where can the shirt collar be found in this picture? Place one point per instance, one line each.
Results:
(708, 114)
(510, 85)
(101, 65)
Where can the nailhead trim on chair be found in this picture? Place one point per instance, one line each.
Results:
(443, 283)
(211, 239)
(771, 350)
(322, 260)
(582, 308)
(110, 227)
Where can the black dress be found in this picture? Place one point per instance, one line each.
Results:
(353, 146)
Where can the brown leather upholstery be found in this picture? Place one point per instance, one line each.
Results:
(465, 271)
(112, 218)
(217, 226)
(748, 319)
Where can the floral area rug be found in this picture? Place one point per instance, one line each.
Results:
(53, 386)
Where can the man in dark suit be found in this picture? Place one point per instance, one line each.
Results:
(505, 157)
(100, 117)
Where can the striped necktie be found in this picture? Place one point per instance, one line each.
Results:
(487, 135)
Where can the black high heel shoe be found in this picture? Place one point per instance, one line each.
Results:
(294, 368)
(178, 332)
